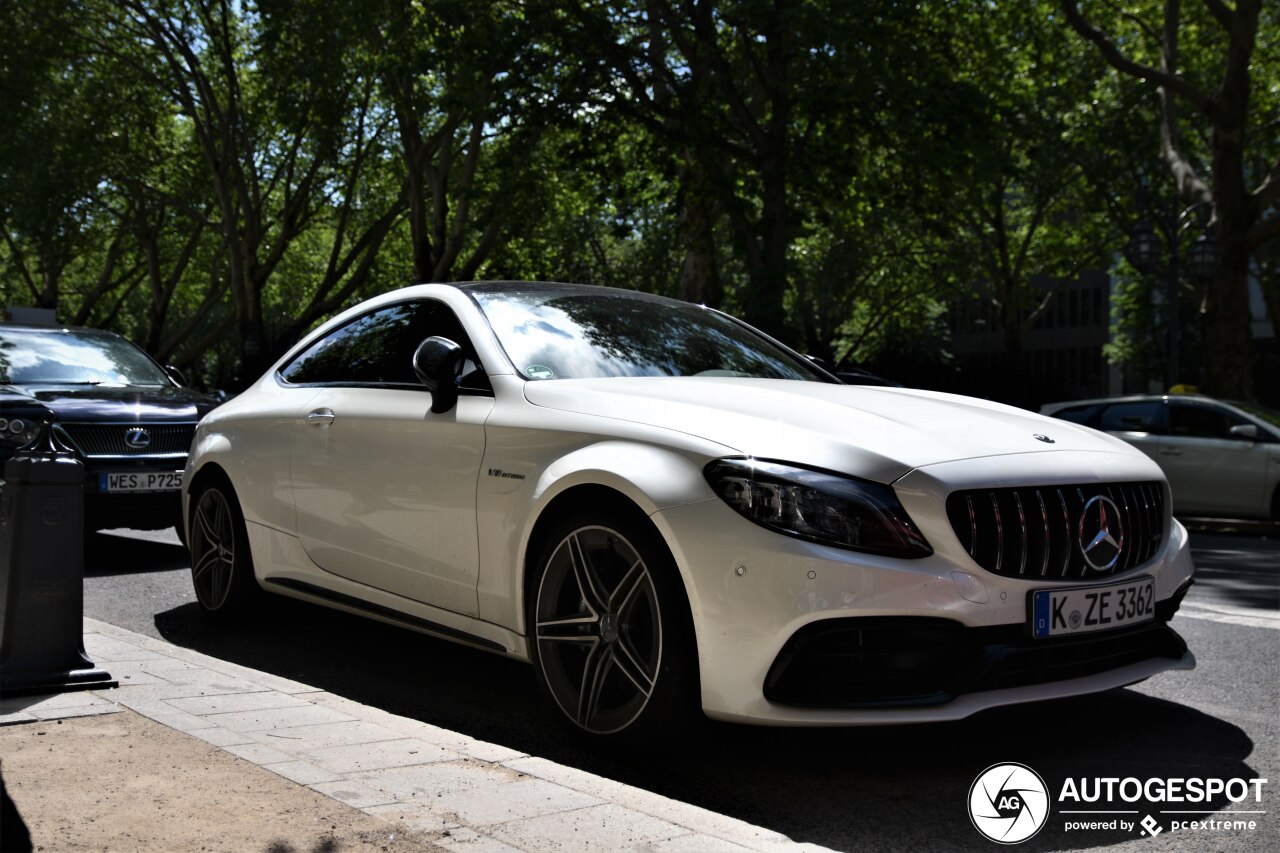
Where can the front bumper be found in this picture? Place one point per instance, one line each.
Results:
(755, 593)
(101, 449)
(881, 662)
(138, 510)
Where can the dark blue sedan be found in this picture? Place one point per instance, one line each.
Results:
(124, 416)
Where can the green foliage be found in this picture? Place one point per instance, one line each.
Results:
(204, 173)
(1138, 328)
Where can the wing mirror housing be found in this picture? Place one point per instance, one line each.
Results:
(437, 361)
(175, 374)
(1248, 432)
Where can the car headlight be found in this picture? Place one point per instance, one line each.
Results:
(818, 506)
(15, 432)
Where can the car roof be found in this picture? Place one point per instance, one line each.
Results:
(41, 328)
(559, 288)
(1135, 398)
(1241, 409)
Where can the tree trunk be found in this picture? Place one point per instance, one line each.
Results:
(1228, 332)
(699, 278)
(1269, 282)
(50, 278)
(764, 304)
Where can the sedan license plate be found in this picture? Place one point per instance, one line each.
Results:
(1076, 610)
(140, 481)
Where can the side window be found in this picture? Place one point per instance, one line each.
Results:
(377, 349)
(1141, 416)
(1085, 415)
(1199, 422)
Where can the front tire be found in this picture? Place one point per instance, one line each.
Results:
(612, 640)
(221, 565)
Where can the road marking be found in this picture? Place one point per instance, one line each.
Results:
(1248, 617)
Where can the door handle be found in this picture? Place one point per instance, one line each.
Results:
(320, 417)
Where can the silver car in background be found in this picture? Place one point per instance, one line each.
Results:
(1221, 458)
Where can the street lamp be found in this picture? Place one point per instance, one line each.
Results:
(1144, 246)
(1202, 261)
(1203, 256)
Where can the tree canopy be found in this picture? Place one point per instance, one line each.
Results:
(215, 177)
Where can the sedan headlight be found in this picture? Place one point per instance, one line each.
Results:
(818, 506)
(15, 432)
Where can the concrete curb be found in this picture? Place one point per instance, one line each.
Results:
(466, 794)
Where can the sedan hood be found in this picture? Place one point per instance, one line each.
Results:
(106, 403)
(876, 433)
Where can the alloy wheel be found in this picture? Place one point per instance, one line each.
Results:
(213, 549)
(599, 629)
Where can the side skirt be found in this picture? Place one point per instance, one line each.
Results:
(384, 613)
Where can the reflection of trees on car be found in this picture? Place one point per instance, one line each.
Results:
(378, 347)
(631, 337)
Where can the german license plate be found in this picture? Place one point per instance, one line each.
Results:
(1077, 610)
(140, 481)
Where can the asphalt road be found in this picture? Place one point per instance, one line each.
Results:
(848, 789)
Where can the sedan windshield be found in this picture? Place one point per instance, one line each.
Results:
(30, 357)
(560, 332)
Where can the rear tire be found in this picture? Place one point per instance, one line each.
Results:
(221, 565)
(611, 637)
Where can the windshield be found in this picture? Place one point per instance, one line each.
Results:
(560, 332)
(1261, 412)
(73, 358)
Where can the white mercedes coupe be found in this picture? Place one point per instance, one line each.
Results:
(663, 509)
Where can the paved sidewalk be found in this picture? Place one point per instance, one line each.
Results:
(449, 790)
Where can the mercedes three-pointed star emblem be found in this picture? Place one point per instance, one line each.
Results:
(1101, 533)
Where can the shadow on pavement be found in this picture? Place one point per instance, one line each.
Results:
(881, 788)
(1245, 527)
(1241, 571)
(108, 554)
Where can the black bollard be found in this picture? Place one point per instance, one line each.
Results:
(42, 573)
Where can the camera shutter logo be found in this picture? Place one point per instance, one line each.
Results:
(1101, 534)
(1008, 803)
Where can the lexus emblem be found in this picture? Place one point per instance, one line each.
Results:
(1042, 437)
(137, 438)
(1101, 534)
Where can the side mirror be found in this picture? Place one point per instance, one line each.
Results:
(437, 362)
(821, 362)
(176, 375)
(1247, 432)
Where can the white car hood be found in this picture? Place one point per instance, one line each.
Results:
(876, 433)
